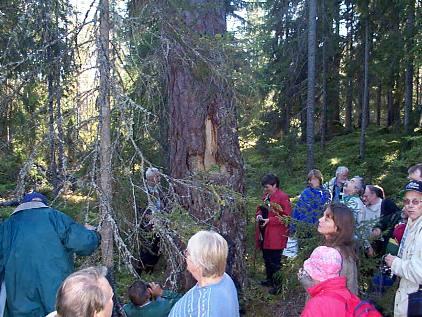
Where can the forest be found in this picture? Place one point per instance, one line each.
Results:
(214, 94)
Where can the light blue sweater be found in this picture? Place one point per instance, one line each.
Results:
(216, 300)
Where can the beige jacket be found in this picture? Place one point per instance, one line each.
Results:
(409, 267)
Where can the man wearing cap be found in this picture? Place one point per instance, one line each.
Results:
(408, 263)
(37, 247)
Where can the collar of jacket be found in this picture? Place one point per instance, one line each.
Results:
(30, 205)
(333, 284)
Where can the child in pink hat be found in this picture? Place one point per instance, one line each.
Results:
(328, 290)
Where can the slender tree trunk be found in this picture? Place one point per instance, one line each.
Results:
(365, 92)
(409, 66)
(203, 129)
(379, 97)
(349, 92)
(58, 97)
(105, 193)
(310, 103)
(390, 106)
(324, 79)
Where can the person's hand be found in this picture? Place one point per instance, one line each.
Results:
(370, 251)
(376, 232)
(265, 222)
(155, 290)
(89, 227)
(389, 259)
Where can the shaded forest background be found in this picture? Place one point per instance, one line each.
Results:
(213, 93)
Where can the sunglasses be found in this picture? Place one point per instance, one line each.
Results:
(414, 202)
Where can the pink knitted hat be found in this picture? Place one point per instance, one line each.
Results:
(323, 264)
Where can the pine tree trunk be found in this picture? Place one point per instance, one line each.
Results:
(105, 177)
(310, 103)
(203, 128)
(409, 65)
(379, 97)
(324, 81)
(365, 93)
(349, 88)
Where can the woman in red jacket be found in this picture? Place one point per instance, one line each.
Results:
(272, 232)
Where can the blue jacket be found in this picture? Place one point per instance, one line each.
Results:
(37, 246)
(310, 205)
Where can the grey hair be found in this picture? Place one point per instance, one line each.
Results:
(151, 171)
(80, 294)
(342, 170)
(360, 186)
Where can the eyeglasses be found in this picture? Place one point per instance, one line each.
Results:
(413, 202)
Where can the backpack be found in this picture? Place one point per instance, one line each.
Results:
(355, 307)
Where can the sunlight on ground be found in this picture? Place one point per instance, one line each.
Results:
(390, 157)
(77, 198)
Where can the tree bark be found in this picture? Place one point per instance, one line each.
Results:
(365, 92)
(349, 89)
(310, 103)
(203, 128)
(105, 177)
(379, 97)
(409, 65)
(324, 80)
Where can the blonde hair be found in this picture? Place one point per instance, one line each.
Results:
(80, 294)
(208, 250)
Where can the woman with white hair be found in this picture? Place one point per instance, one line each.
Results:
(215, 294)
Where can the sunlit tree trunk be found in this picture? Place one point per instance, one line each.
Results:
(105, 177)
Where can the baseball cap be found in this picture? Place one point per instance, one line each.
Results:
(413, 186)
(35, 196)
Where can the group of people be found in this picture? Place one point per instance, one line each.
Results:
(353, 219)
(38, 243)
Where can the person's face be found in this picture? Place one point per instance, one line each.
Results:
(413, 204)
(314, 182)
(415, 176)
(191, 267)
(270, 189)
(326, 225)
(369, 197)
(342, 177)
(108, 291)
(154, 179)
(350, 187)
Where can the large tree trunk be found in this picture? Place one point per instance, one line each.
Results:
(203, 128)
(365, 92)
(409, 65)
(310, 103)
(105, 177)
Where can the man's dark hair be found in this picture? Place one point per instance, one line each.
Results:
(138, 293)
(377, 190)
(270, 179)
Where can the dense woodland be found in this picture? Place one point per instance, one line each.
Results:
(213, 93)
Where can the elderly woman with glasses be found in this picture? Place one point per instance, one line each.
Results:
(215, 294)
(408, 264)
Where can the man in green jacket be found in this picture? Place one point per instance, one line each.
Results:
(37, 247)
(149, 300)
